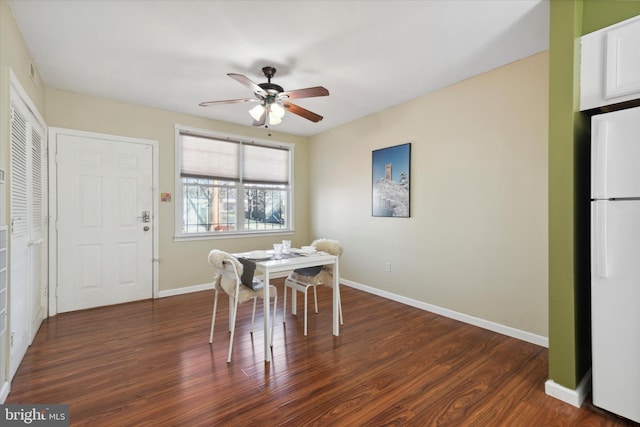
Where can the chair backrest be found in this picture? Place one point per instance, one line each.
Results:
(330, 246)
(229, 278)
(228, 271)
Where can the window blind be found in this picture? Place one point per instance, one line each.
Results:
(219, 159)
(207, 157)
(265, 164)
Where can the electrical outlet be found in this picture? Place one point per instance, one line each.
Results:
(387, 266)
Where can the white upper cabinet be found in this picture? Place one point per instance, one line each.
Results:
(610, 65)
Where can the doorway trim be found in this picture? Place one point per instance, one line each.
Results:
(53, 205)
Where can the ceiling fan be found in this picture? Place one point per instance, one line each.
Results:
(273, 99)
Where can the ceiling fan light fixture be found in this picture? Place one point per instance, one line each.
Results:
(257, 111)
(276, 110)
(273, 120)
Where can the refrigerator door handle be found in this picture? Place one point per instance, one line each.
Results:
(600, 229)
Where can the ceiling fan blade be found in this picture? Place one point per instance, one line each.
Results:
(228, 101)
(309, 92)
(295, 109)
(248, 83)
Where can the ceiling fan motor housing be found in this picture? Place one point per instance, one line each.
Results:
(271, 88)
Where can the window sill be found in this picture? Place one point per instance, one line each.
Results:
(231, 235)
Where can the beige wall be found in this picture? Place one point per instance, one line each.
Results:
(182, 263)
(477, 240)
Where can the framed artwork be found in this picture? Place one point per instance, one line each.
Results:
(390, 181)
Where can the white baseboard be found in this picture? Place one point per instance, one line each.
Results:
(185, 290)
(573, 397)
(4, 391)
(485, 324)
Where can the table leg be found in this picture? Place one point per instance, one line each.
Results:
(336, 298)
(267, 331)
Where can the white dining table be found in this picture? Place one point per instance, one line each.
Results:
(273, 265)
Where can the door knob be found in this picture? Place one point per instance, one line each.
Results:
(146, 228)
(146, 217)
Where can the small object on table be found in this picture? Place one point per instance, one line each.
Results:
(277, 250)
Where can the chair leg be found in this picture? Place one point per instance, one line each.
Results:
(294, 301)
(284, 309)
(340, 307)
(231, 304)
(213, 316)
(253, 315)
(306, 291)
(232, 322)
(315, 298)
(273, 319)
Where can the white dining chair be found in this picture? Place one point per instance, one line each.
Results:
(228, 279)
(303, 279)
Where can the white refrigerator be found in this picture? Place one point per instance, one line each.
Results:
(615, 261)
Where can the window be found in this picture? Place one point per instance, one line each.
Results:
(226, 185)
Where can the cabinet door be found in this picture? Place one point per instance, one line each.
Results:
(610, 65)
(623, 61)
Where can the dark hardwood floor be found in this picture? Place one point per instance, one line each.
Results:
(149, 363)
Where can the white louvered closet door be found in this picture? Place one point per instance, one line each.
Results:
(37, 232)
(28, 230)
(19, 303)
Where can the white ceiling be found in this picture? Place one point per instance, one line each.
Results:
(369, 54)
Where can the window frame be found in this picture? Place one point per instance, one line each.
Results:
(241, 232)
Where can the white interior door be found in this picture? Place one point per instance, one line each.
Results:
(19, 268)
(37, 232)
(28, 230)
(104, 221)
